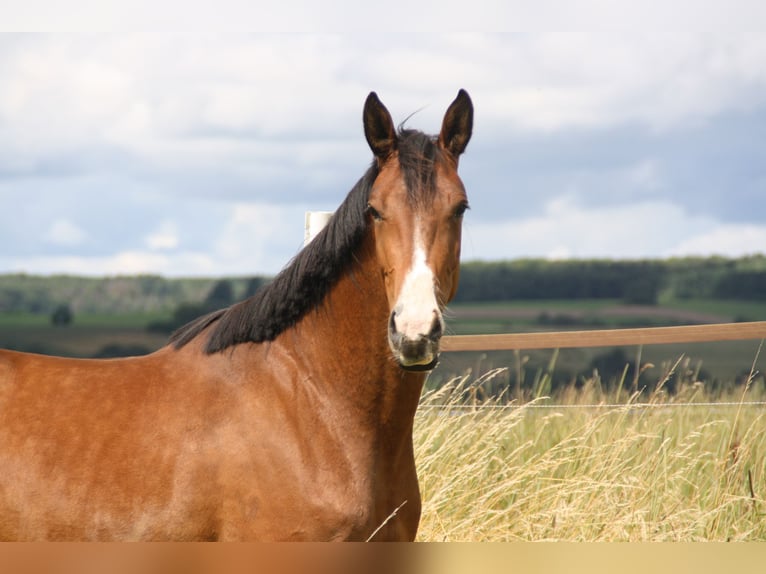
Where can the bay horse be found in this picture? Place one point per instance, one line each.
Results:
(287, 416)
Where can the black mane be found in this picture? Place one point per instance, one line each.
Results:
(304, 283)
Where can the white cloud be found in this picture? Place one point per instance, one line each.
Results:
(255, 238)
(723, 239)
(645, 175)
(165, 237)
(65, 233)
(122, 263)
(556, 81)
(641, 230)
(259, 237)
(156, 96)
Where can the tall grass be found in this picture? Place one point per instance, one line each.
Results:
(670, 468)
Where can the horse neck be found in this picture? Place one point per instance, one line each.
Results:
(346, 337)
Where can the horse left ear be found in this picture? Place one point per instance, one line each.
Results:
(457, 125)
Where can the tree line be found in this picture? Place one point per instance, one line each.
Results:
(639, 282)
(120, 295)
(221, 295)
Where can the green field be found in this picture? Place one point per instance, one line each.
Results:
(85, 337)
(522, 315)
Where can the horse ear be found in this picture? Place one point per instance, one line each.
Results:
(457, 125)
(379, 128)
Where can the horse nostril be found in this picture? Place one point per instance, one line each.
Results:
(392, 322)
(436, 329)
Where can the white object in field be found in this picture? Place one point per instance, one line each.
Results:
(315, 222)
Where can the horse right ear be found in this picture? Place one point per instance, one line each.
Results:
(379, 128)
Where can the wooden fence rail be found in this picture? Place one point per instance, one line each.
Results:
(606, 337)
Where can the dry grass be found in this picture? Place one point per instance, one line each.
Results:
(675, 470)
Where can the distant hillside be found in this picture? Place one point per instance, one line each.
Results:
(110, 295)
(645, 282)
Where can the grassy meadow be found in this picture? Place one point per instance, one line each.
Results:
(672, 468)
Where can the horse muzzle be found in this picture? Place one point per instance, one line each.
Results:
(419, 352)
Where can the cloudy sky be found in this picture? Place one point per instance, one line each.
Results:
(188, 155)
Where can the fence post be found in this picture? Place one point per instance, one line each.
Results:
(314, 223)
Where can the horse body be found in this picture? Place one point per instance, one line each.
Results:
(302, 433)
(183, 445)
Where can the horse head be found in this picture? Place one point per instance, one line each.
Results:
(415, 209)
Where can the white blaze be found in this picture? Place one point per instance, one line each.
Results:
(416, 306)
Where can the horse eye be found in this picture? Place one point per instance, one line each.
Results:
(460, 210)
(374, 213)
